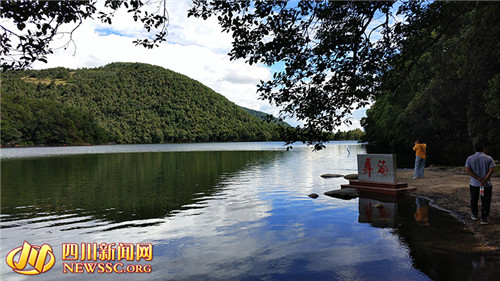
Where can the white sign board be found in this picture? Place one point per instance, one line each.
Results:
(377, 167)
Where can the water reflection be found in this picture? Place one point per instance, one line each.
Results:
(377, 213)
(230, 216)
(482, 270)
(116, 187)
(439, 245)
(422, 212)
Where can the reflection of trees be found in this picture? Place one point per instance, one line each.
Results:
(118, 187)
(438, 244)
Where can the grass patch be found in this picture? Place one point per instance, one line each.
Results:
(45, 81)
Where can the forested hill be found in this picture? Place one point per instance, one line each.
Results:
(120, 103)
(266, 117)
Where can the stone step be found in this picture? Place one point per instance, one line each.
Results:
(380, 190)
(396, 185)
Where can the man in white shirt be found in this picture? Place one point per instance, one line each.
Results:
(480, 167)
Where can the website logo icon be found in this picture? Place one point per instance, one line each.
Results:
(40, 259)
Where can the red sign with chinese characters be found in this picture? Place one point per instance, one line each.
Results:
(377, 167)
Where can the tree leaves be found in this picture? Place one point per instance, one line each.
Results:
(339, 56)
(442, 84)
(331, 66)
(37, 23)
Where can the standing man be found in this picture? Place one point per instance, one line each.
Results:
(420, 149)
(479, 167)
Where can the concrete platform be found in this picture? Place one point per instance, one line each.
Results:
(382, 188)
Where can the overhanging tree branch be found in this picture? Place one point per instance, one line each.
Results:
(38, 22)
(331, 66)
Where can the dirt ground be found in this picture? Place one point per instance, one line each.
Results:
(448, 188)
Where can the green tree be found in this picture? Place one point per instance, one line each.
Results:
(356, 134)
(38, 121)
(332, 52)
(336, 57)
(446, 93)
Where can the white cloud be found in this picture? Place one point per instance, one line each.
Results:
(194, 47)
(355, 119)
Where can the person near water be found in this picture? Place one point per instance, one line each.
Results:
(480, 167)
(420, 149)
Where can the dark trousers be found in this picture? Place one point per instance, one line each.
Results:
(485, 200)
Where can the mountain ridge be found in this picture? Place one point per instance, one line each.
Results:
(120, 103)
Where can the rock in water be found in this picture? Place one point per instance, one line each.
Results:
(313, 195)
(351, 177)
(344, 193)
(331, 176)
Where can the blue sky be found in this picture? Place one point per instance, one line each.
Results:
(194, 47)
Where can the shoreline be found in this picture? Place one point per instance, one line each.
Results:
(447, 189)
(112, 143)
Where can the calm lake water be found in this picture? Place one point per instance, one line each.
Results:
(233, 211)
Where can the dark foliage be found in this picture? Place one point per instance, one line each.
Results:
(443, 85)
(329, 51)
(432, 67)
(120, 103)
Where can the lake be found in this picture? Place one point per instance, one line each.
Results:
(232, 211)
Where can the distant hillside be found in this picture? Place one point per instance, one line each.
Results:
(120, 103)
(266, 117)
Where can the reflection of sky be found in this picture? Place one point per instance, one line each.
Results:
(286, 233)
(30, 152)
(260, 224)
